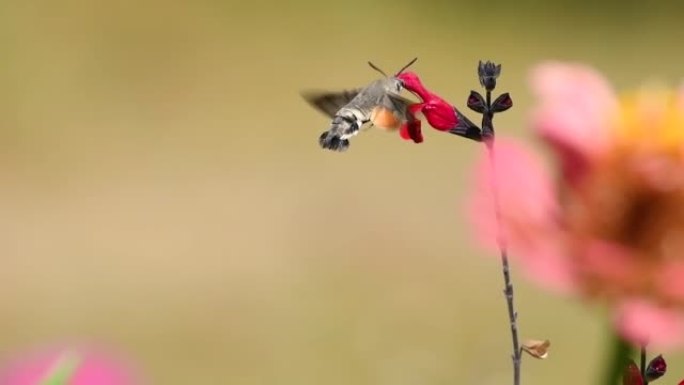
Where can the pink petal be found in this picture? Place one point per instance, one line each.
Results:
(528, 206)
(671, 281)
(94, 368)
(609, 261)
(641, 322)
(547, 266)
(575, 111)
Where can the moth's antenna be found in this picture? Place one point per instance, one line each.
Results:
(407, 66)
(377, 69)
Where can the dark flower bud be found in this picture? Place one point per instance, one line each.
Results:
(631, 375)
(502, 103)
(488, 73)
(656, 368)
(476, 102)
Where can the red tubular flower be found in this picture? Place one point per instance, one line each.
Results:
(439, 113)
(411, 129)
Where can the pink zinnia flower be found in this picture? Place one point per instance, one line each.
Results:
(67, 366)
(610, 225)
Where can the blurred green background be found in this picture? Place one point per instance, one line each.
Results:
(162, 189)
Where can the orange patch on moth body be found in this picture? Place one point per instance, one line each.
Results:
(385, 119)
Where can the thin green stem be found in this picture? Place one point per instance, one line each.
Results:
(488, 127)
(488, 73)
(618, 356)
(642, 366)
(516, 357)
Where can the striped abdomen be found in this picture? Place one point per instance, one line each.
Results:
(345, 124)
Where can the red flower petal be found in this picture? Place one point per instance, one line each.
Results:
(631, 375)
(440, 114)
(411, 131)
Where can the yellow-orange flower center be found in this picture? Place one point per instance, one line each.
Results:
(632, 199)
(651, 119)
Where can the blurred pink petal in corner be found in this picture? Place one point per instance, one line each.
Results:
(92, 367)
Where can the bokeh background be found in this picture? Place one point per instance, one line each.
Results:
(162, 190)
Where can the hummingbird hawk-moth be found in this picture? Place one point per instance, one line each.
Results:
(378, 103)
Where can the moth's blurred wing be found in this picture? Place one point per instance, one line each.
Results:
(402, 106)
(330, 102)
